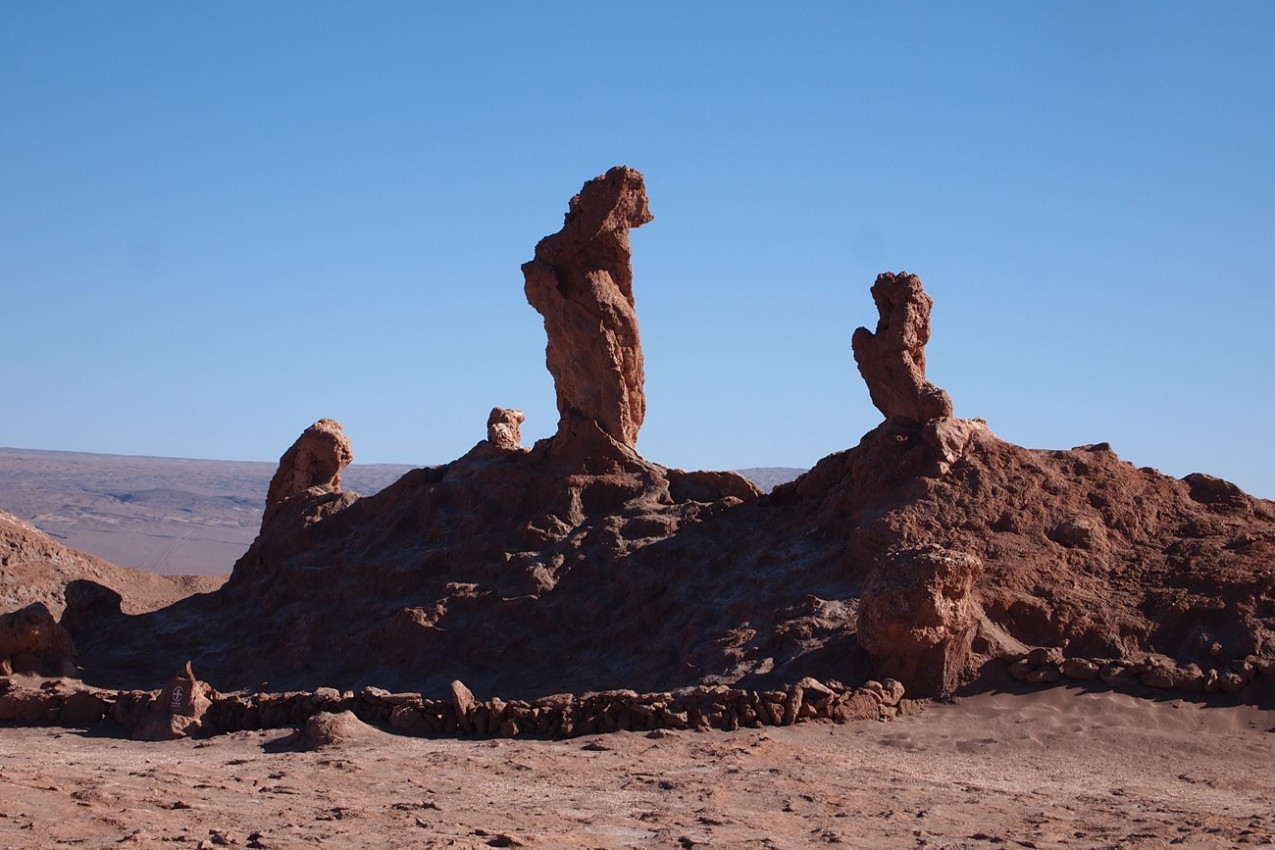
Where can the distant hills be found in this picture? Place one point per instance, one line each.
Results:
(172, 515)
(770, 477)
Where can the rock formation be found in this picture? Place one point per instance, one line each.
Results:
(341, 730)
(31, 641)
(918, 617)
(504, 429)
(892, 360)
(179, 710)
(313, 464)
(931, 551)
(581, 282)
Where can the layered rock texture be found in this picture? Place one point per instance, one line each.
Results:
(932, 551)
(581, 282)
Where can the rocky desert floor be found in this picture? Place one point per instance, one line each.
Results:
(1060, 768)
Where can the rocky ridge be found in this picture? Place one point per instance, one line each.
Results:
(35, 568)
(932, 552)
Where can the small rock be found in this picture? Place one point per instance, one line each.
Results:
(464, 703)
(1020, 670)
(1111, 673)
(1231, 683)
(1045, 655)
(1044, 675)
(1080, 668)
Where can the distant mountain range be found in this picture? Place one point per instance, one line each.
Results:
(172, 515)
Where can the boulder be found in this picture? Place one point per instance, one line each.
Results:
(1080, 668)
(463, 704)
(178, 712)
(581, 281)
(33, 642)
(892, 360)
(917, 617)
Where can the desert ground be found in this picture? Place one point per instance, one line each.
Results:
(1059, 768)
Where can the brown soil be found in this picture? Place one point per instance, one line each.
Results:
(1054, 769)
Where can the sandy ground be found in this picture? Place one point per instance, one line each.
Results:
(1049, 770)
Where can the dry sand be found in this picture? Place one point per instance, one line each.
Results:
(1053, 769)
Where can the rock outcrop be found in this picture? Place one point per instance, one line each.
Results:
(892, 360)
(311, 465)
(504, 428)
(179, 710)
(31, 641)
(581, 281)
(918, 616)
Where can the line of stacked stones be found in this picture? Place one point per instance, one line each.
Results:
(59, 702)
(556, 716)
(1045, 665)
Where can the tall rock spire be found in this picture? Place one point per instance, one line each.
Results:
(581, 282)
(892, 360)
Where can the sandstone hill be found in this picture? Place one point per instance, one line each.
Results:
(36, 568)
(932, 551)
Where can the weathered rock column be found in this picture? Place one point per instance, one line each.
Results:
(582, 283)
(892, 360)
(315, 460)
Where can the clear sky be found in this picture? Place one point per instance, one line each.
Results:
(222, 221)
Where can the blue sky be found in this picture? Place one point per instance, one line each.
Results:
(220, 222)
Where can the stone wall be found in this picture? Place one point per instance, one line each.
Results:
(557, 716)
